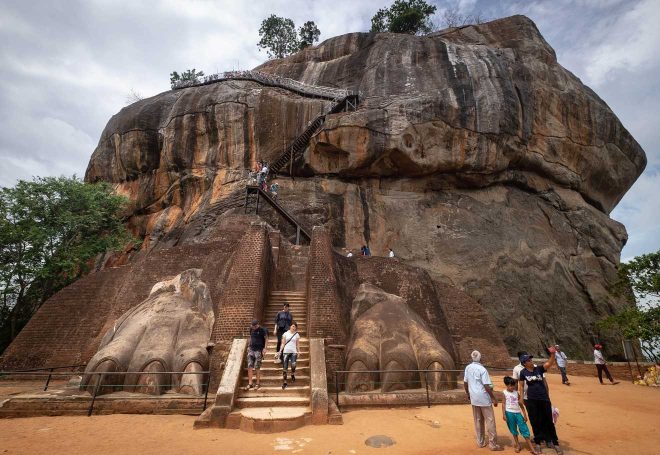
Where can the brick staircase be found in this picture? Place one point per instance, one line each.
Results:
(271, 408)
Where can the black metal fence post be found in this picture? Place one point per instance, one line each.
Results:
(337, 389)
(206, 394)
(48, 380)
(96, 391)
(426, 381)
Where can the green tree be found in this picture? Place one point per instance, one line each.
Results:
(639, 282)
(278, 36)
(188, 75)
(50, 229)
(404, 16)
(309, 34)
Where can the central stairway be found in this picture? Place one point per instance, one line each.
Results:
(271, 408)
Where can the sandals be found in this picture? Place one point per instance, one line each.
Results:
(251, 386)
(284, 385)
(256, 387)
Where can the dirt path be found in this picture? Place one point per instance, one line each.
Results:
(594, 419)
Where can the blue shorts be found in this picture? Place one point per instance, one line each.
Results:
(514, 420)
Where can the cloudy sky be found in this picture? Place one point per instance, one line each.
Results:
(67, 66)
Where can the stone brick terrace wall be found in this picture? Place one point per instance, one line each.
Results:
(244, 296)
(326, 318)
(68, 328)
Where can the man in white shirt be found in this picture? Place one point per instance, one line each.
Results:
(601, 365)
(479, 389)
(561, 358)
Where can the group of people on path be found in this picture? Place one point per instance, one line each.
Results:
(288, 348)
(365, 251)
(527, 381)
(261, 171)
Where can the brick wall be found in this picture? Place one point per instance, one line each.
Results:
(326, 318)
(246, 291)
(68, 328)
(471, 327)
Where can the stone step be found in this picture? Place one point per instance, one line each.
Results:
(276, 380)
(269, 420)
(285, 292)
(270, 315)
(276, 390)
(268, 402)
(302, 361)
(303, 344)
(272, 371)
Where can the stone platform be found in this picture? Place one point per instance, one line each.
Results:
(403, 398)
(69, 400)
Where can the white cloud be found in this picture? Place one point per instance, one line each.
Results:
(639, 211)
(628, 44)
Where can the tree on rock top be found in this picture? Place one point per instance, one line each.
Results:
(404, 16)
(278, 36)
(191, 76)
(309, 34)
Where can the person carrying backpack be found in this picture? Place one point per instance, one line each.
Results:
(283, 321)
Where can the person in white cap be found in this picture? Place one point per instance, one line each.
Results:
(561, 358)
(479, 389)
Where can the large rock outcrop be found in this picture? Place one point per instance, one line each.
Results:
(473, 154)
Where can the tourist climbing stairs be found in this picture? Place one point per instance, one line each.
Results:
(270, 408)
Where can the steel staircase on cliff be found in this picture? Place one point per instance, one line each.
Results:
(341, 98)
(253, 194)
(299, 144)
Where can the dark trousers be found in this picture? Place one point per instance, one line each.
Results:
(564, 378)
(540, 416)
(602, 368)
(280, 332)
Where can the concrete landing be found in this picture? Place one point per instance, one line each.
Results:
(269, 419)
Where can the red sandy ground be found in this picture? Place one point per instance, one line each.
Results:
(594, 419)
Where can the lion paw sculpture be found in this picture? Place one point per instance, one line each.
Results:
(388, 335)
(168, 332)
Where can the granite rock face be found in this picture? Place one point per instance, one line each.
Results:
(473, 154)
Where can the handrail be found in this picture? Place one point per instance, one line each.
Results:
(425, 372)
(281, 210)
(271, 80)
(41, 369)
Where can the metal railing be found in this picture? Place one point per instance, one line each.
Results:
(100, 383)
(49, 374)
(331, 93)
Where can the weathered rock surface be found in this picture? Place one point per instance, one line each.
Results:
(168, 332)
(473, 154)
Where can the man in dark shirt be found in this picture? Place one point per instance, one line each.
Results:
(283, 321)
(256, 352)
